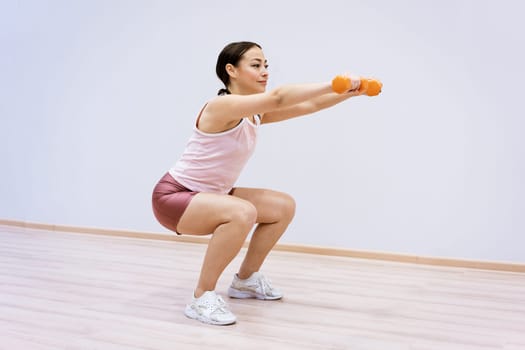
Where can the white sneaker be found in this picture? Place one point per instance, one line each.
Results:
(255, 286)
(210, 308)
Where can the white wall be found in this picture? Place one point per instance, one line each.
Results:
(99, 97)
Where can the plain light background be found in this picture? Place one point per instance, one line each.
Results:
(98, 99)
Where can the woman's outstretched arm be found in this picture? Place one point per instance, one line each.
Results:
(345, 86)
(225, 111)
(308, 107)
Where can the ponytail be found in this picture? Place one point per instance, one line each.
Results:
(224, 92)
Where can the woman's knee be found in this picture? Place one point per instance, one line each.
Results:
(244, 214)
(286, 206)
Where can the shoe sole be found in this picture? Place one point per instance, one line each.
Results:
(240, 294)
(190, 313)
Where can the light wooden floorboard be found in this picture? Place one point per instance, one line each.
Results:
(80, 291)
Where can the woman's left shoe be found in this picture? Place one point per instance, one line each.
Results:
(255, 287)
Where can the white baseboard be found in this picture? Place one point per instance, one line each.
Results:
(297, 248)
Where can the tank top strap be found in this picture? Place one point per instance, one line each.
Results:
(199, 116)
(256, 117)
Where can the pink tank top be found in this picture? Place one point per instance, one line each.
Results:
(213, 162)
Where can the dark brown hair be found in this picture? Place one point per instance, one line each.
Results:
(232, 53)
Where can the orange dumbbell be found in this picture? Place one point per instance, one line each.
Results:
(342, 84)
(371, 87)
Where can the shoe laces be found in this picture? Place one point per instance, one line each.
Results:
(220, 306)
(215, 305)
(265, 285)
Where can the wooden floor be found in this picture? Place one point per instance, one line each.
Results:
(79, 291)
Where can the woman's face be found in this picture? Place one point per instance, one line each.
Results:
(252, 71)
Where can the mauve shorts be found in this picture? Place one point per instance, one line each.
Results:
(169, 200)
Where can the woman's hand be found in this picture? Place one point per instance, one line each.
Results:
(347, 84)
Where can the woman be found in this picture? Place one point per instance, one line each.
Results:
(197, 196)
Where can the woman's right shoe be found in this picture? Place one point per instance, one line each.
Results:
(210, 308)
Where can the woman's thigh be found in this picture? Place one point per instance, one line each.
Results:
(207, 211)
(272, 206)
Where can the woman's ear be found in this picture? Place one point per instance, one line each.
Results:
(230, 68)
